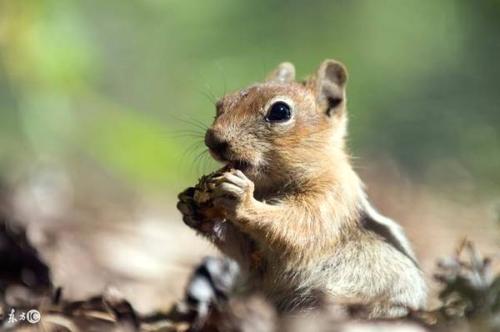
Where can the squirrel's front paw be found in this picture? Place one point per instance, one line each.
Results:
(233, 193)
(187, 207)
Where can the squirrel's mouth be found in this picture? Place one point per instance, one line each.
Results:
(240, 164)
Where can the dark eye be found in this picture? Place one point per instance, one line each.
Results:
(279, 112)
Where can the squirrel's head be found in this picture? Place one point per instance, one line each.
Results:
(280, 127)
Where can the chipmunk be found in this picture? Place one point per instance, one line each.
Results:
(292, 211)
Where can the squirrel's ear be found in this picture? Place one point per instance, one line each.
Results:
(283, 74)
(331, 79)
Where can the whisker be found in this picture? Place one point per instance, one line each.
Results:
(198, 136)
(196, 162)
(192, 131)
(192, 148)
(209, 95)
(187, 161)
(192, 122)
(201, 124)
(179, 133)
(208, 90)
(205, 162)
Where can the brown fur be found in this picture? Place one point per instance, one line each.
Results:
(298, 221)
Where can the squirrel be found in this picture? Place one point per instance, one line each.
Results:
(295, 216)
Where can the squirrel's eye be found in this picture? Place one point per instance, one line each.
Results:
(279, 112)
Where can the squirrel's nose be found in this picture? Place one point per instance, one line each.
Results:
(215, 143)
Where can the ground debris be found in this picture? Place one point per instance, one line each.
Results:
(470, 291)
(469, 295)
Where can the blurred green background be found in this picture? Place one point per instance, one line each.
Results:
(126, 86)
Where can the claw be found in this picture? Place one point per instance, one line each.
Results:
(185, 208)
(186, 195)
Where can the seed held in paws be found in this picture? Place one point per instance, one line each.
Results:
(203, 196)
